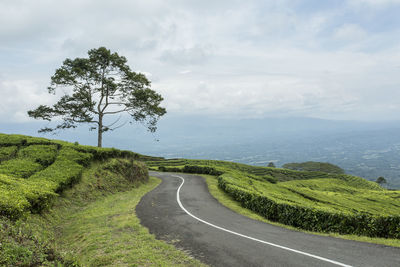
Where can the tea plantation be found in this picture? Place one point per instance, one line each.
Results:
(314, 201)
(34, 170)
(60, 201)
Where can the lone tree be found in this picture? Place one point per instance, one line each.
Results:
(381, 180)
(102, 84)
(271, 165)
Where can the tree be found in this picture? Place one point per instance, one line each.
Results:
(381, 180)
(101, 85)
(271, 165)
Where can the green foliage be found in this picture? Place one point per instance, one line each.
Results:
(100, 153)
(42, 154)
(63, 173)
(131, 170)
(19, 195)
(12, 140)
(20, 167)
(102, 84)
(312, 219)
(271, 165)
(19, 246)
(68, 153)
(314, 166)
(381, 180)
(312, 200)
(48, 166)
(191, 169)
(201, 170)
(7, 152)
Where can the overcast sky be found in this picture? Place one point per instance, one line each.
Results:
(325, 59)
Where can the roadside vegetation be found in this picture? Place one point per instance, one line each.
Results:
(229, 202)
(312, 201)
(64, 204)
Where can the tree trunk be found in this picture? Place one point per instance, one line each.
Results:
(100, 131)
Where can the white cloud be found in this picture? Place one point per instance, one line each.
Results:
(350, 32)
(19, 96)
(227, 57)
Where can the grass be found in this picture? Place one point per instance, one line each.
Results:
(235, 206)
(95, 224)
(64, 204)
(318, 190)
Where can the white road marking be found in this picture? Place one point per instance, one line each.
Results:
(249, 237)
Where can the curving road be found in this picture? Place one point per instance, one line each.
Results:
(182, 211)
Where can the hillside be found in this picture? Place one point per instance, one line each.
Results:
(65, 204)
(315, 201)
(314, 166)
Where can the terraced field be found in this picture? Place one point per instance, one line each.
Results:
(315, 201)
(34, 170)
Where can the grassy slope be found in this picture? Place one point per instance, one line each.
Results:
(98, 227)
(329, 192)
(92, 223)
(230, 203)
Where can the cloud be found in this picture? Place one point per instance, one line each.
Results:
(19, 96)
(247, 58)
(189, 56)
(350, 32)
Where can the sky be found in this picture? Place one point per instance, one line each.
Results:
(326, 59)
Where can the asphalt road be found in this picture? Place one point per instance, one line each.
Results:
(194, 221)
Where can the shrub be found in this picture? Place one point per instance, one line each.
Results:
(169, 169)
(7, 152)
(20, 195)
(201, 170)
(20, 167)
(313, 219)
(42, 154)
(63, 173)
(12, 139)
(131, 170)
(71, 154)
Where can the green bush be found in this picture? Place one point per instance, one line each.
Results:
(7, 152)
(20, 167)
(313, 219)
(169, 169)
(100, 153)
(69, 153)
(63, 173)
(131, 170)
(201, 170)
(42, 154)
(12, 139)
(20, 195)
(64, 164)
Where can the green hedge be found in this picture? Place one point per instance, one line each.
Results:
(46, 167)
(63, 173)
(8, 152)
(313, 219)
(20, 167)
(191, 169)
(70, 153)
(133, 171)
(42, 154)
(19, 195)
(106, 153)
